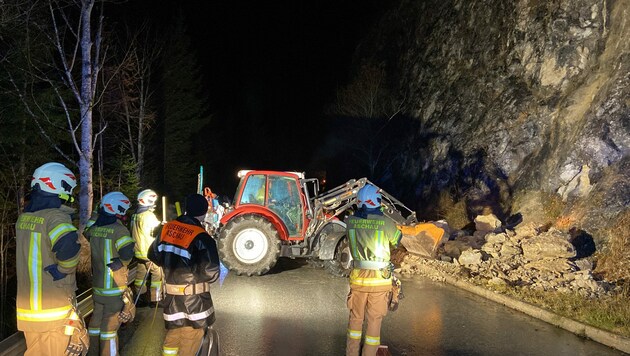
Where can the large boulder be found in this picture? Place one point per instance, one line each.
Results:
(551, 244)
(470, 257)
(487, 223)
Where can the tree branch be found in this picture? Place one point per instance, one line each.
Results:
(67, 69)
(42, 132)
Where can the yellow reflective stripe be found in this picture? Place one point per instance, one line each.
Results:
(380, 249)
(107, 273)
(156, 284)
(108, 335)
(35, 270)
(94, 331)
(109, 291)
(372, 340)
(170, 350)
(59, 231)
(396, 237)
(43, 314)
(354, 334)
(371, 282)
(123, 241)
(70, 263)
(353, 243)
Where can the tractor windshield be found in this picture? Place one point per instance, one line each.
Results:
(284, 200)
(254, 191)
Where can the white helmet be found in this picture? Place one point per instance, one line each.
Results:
(54, 178)
(115, 203)
(147, 197)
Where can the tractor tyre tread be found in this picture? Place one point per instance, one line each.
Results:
(226, 243)
(334, 266)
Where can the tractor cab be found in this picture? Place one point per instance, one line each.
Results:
(277, 195)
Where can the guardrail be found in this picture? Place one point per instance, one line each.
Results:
(16, 344)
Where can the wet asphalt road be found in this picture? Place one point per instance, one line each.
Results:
(297, 310)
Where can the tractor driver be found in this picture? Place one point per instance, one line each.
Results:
(285, 202)
(254, 192)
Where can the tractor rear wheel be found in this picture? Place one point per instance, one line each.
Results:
(341, 265)
(249, 244)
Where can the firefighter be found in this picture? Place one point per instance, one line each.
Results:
(143, 223)
(112, 250)
(190, 261)
(47, 255)
(370, 235)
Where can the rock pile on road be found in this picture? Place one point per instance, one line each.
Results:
(525, 256)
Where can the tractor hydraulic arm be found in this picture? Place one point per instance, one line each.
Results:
(343, 197)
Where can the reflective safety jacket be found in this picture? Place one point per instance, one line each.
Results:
(369, 240)
(92, 219)
(44, 304)
(190, 260)
(142, 225)
(106, 243)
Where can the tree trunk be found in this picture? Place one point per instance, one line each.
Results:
(86, 158)
(141, 126)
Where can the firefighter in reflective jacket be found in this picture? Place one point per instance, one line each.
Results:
(47, 255)
(189, 258)
(370, 234)
(112, 250)
(143, 223)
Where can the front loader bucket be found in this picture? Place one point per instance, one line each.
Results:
(422, 239)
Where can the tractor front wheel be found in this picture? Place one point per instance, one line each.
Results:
(341, 265)
(249, 244)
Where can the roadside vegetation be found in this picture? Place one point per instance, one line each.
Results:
(611, 264)
(609, 312)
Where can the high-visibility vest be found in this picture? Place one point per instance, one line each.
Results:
(105, 242)
(142, 226)
(43, 304)
(369, 241)
(179, 234)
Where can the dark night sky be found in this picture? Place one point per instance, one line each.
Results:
(270, 67)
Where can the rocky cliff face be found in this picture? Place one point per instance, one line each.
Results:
(517, 105)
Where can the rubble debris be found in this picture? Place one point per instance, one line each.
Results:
(527, 256)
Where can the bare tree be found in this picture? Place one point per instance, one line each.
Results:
(135, 91)
(368, 100)
(65, 54)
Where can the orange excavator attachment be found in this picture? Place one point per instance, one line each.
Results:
(422, 239)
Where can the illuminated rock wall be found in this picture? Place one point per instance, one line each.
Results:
(516, 103)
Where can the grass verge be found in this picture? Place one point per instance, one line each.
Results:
(611, 312)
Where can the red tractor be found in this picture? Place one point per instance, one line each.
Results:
(282, 214)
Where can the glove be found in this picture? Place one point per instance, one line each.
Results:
(79, 343)
(115, 265)
(54, 272)
(395, 295)
(128, 311)
(79, 338)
